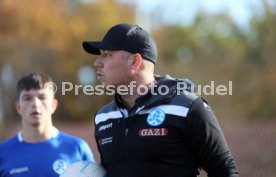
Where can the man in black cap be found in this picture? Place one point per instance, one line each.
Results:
(157, 129)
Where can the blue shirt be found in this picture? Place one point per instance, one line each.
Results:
(44, 159)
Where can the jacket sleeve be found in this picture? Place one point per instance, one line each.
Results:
(101, 156)
(98, 145)
(207, 142)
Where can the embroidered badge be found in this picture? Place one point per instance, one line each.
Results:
(59, 166)
(156, 117)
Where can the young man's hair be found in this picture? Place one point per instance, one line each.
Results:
(32, 81)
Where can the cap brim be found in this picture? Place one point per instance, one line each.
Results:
(94, 47)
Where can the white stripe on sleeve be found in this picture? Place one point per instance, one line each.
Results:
(105, 116)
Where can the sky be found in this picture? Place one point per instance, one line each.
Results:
(183, 11)
(154, 12)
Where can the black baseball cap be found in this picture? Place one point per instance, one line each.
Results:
(131, 38)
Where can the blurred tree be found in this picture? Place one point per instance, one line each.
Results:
(214, 48)
(257, 83)
(46, 36)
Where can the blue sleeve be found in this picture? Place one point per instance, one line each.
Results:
(86, 151)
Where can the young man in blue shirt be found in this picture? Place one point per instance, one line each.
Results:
(39, 149)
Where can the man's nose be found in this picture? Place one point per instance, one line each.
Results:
(98, 62)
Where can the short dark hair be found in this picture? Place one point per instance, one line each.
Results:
(32, 81)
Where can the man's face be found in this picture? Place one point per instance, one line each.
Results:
(113, 67)
(36, 106)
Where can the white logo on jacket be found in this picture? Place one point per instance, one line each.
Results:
(106, 126)
(105, 140)
(156, 117)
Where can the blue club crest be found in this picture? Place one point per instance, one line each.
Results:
(156, 117)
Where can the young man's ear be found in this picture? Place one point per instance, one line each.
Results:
(54, 105)
(16, 105)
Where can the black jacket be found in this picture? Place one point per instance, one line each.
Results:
(168, 135)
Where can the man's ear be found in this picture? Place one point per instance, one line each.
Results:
(136, 61)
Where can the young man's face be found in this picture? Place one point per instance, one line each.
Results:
(36, 106)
